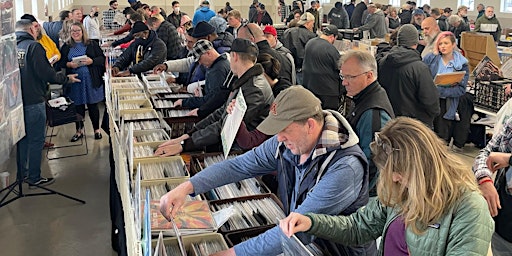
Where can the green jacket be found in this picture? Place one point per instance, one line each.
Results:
(466, 229)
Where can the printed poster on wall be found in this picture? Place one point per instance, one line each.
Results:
(3, 104)
(13, 87)
(10, 60)
(17, 124)
(5, 142)
(7, 16)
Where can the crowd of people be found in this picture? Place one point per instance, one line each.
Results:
(384, 168)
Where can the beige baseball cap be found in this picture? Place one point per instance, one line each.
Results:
(305, 18)
(293, 104)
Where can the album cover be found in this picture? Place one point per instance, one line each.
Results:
(193, 217)
(5, 141)
(13, 87)
(10, 60)
(3, 103)
(17, 124)
(7, 16)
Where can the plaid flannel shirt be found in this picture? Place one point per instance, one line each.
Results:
(500, 142)
(108, 19)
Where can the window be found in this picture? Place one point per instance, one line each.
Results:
(395, 3)
(18, 7)
(469, 3)
(506, 6)
(420, 3)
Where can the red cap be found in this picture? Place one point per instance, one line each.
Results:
(270, 30)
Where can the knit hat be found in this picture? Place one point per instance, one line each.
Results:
(200, 47)
(305, 18)
(132, 1)
(407, 35)
(138, 26)
(219, 23)
(269, 29)
(28, 17)
(244, 46)
(184, 19)
(447, 9)
(293, 104)
(202, 29)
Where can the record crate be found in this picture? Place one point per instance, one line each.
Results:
(179, 123)
(251, 217)
(247, 187)
(161, 168)
(490, 95)
(189, 240)
(236, 237)
(158, 188)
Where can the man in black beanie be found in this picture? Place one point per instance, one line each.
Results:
(145, 52)
(407, 80)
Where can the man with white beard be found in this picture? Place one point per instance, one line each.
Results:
(430, 32)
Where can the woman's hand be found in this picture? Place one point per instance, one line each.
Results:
(497, 160)
(87, 61)
(71, 65)
(295, 222)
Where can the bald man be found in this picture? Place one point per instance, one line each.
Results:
(253, 33)
(430, 32)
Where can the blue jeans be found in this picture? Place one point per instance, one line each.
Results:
(30, 147)
(299, 77)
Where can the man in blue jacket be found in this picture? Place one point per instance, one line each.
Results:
(319, 165)
(204, 13)
(36, 72)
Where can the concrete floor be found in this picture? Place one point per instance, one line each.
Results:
(52, 224)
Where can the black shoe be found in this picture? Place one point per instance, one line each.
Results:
(76, 137)
(41, 182)
(97, 136)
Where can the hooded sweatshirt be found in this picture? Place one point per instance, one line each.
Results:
(451, 93)
(376, 24)
(339, 188)
(409, 85)
(203, 14)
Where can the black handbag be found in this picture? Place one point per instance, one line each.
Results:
(64, 114)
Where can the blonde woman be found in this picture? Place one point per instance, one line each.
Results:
(90, 68)
(428, 202)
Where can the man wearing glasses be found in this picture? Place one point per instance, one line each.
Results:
(320, 168)
(372, 107)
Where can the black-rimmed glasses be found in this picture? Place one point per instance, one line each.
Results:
(388, 148)
(246, 25)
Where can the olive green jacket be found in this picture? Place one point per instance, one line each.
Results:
(466, 229)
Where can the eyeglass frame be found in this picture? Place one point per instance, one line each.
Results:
(349, 77)
(246, 25)
(388, 148)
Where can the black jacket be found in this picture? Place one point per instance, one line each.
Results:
(443, 23)
(295, 40)
(169, 35)
(285, 73)
(175, 19)
(321, 69)
(35, 70)
(357, 15)
(96, 69)
(258, 97)
(154, 52)
(405, 17)
(339, 17)
(409, 85)
(215, 93)
(265, 19)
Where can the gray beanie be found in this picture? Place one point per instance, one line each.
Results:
(407, 35)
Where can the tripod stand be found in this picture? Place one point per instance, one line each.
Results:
(19, 192)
